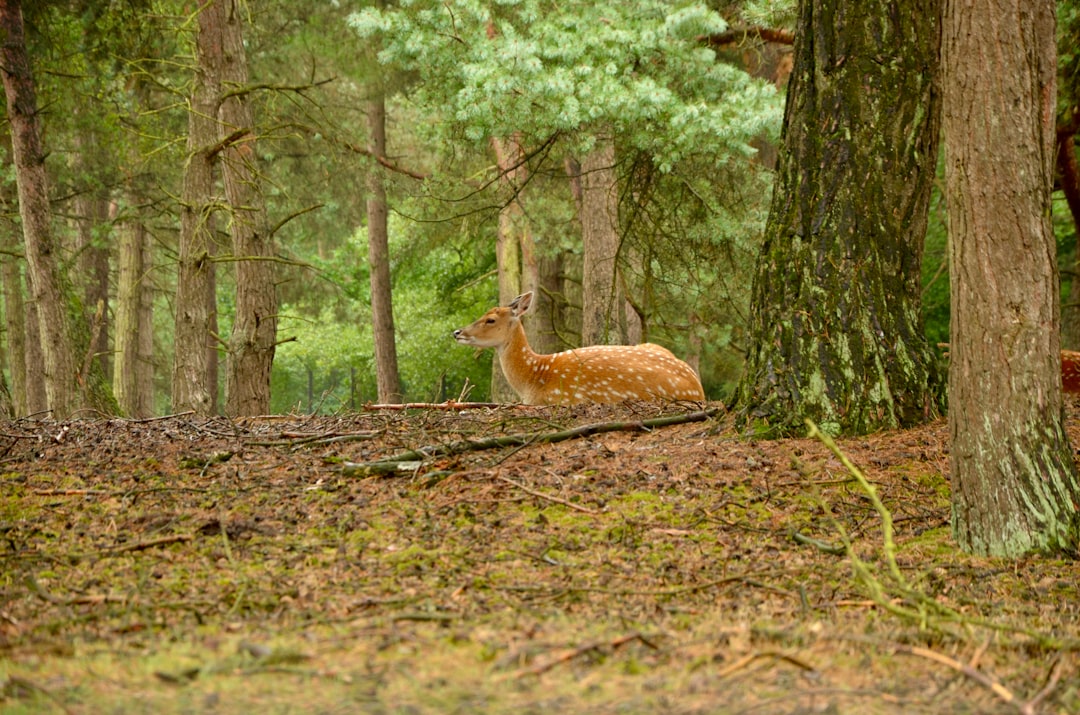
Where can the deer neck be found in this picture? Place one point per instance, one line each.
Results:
(520, 364)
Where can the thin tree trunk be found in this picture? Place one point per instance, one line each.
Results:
(1014, 483)
(132, 374)
(382, 305)
(14, 303)
(835, 329)
(515, 254)
(37, 398)
(254, 334)
(192, 388)
(92, 214)
(50, 290)
(15, 323)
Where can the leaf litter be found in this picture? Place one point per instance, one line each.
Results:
(682, 568)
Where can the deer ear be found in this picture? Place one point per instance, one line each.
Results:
(520, 306)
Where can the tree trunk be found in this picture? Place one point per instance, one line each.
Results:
(835, 330)
(514, 251)
(133, 344)
(382, 305)
(600, 300)
(254, 334)
(1014, 482)
(37, 398)
(15, 323)
(92, 214)
(14, 304)
(50, 289)
(192, 388)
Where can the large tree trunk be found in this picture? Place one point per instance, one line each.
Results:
(600, 303)
(50, 290)
(1014, 482)
(382, 305)
(192, 388)
(835, 328)
(254, 333)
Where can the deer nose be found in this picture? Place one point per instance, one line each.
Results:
(457, 332)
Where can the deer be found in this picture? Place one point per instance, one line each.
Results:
(599, 373)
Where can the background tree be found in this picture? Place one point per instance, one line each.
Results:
(835, 328)
(192, 388)
(254, 330)
(1014, 480)
(382, 308)
(51, 288)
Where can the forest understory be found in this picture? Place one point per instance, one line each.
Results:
(184, 565)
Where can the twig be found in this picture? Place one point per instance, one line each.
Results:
(535, 493)
(163, 417)
(748, 659)
(27, 684)
(1003, 693)
(1051, 683)
(143, 545)
(572, 653)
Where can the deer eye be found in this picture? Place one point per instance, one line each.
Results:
(490, 321)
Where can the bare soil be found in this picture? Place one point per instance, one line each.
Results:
(192, 565)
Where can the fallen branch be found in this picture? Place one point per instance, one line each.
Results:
(448, 405)
(390, 465)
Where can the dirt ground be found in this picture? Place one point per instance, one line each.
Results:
(189, 565)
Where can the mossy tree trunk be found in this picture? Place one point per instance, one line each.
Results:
(253, 341)
(193, 382)
(51, 290)
(835, 331)
(1014, 481)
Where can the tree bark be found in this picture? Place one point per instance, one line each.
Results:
(382, 305)
(132, 367)
(1014, 481)
(50, 289)
(835, 328)
(254, 334)
(37, 398)
(93, 271)
(14, 303)
(192, 388)
(600, 303)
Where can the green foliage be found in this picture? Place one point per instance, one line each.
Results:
(328, 362)
(544, 68)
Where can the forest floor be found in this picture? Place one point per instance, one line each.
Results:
(185, 565)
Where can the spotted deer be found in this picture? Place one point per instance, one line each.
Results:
(1070, 371)
(601, 373)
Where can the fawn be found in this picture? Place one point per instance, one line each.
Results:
(600, 373)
